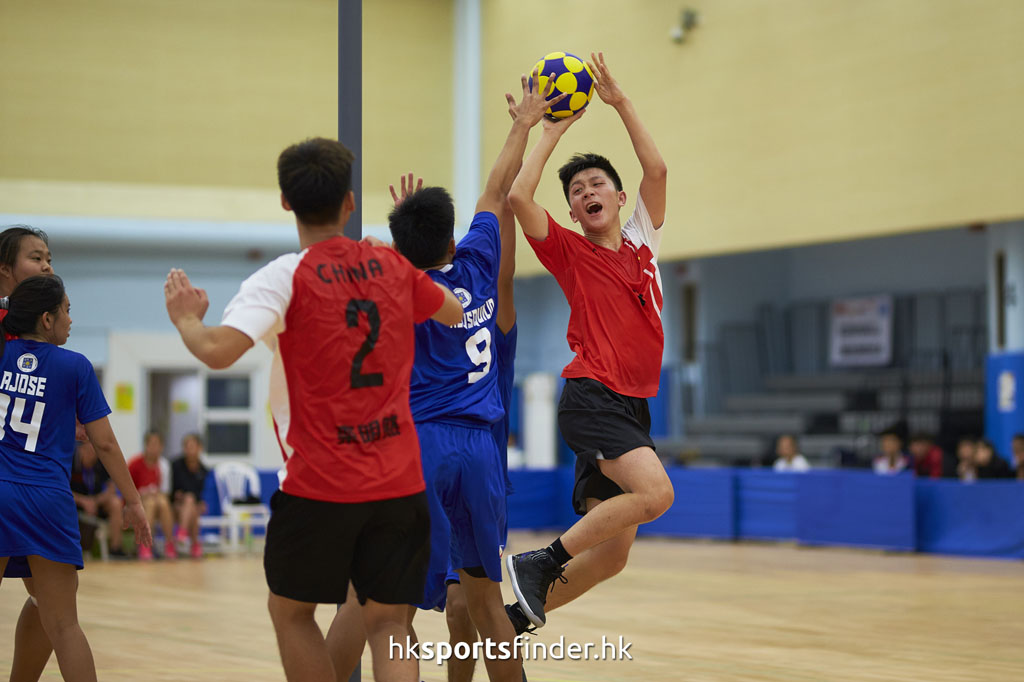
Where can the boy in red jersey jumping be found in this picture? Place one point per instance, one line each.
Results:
(339, 317)
(609, 275)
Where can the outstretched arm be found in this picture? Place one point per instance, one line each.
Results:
(507, 270)
(525, 115)
(531, 215)
(216, 347)
(653, 184)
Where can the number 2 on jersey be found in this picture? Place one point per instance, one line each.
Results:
(479, 356)
(352, 311)
(30, 428)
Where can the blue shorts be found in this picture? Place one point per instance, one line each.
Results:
(35, 520)
(466, 495)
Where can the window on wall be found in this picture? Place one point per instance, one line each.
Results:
(228, 415)
(228, 438)
(224, 392)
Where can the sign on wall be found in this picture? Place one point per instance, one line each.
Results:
(1004, 411)
(861, 332)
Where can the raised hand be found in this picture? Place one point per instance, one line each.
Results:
(562, 124)
(534, 103)
(182, 298)
(607, 87)
(407, 189)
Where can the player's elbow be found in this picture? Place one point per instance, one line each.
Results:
(218, 358)
(658, 171)
(519, 199)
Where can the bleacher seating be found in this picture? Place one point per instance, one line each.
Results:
(787, 402)
(757, 424)
(831, 413)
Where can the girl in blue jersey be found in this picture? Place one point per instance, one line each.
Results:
(43, 389)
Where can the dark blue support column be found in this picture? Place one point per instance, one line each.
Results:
(350, 100)
(350, 119)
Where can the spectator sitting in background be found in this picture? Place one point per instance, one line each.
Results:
(96, 495)
(927, 456)
(145, 471)
(988, 464)
(1018, 455)
(892, 460)
(965, 469)
(789, 457)
(188, 477)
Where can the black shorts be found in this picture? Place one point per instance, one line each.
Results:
(314, 548)
(599, 423)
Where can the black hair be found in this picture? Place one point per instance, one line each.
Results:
(1017, 436)
(423, 225)
(153, 432)
(315, 176)
(581, 162)
(30, 299)
(193, 436)
(10, 241)
(920, 436)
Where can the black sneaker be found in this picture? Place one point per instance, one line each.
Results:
(532, 574)
(520, 623)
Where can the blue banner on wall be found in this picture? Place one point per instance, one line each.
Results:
(1004, 400)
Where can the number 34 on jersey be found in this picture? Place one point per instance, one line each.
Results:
(27, 385)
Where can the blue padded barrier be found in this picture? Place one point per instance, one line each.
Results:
(704, 506)
(856, 508)
(539, 498)
(835, 507)
(765, 504)
(979, 519)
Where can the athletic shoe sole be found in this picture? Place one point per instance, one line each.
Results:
(530, 615)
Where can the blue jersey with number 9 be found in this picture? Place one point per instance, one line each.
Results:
(43, 388)
(455, 374)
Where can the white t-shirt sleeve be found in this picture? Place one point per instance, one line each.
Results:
(258, 309)
(639, 229)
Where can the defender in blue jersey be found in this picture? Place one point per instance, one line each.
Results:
(43, 390)
(454, 390)
(456, 610)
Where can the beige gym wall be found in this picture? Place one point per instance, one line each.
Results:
(782, 122)
(790, 121)
(144, 108)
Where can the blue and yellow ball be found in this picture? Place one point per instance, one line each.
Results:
(572, 75)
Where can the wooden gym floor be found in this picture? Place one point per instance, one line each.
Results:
(693, 611)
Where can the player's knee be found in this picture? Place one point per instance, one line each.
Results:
(460, 625)
(57, 622)
(658, 499)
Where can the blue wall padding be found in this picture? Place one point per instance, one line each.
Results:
(856, 508)
(1004, 400)
(704, 506)
(765, 504)
(980, 519)
(835, 507)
